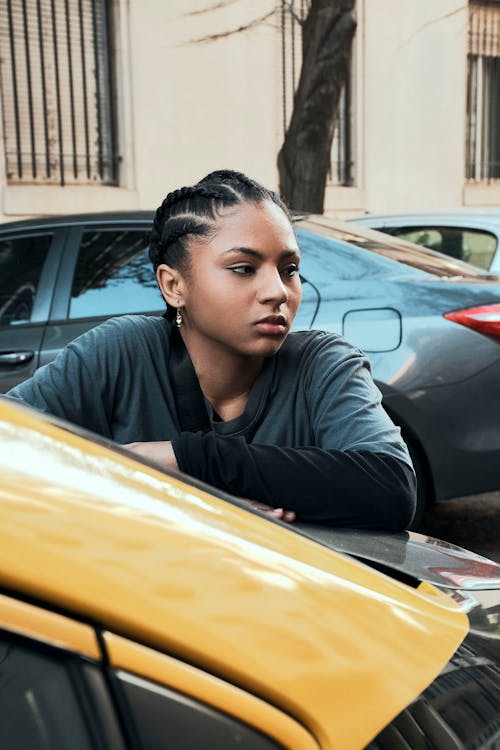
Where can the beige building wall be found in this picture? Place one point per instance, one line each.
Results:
(186, 107)
(202, 105)
(410, 88)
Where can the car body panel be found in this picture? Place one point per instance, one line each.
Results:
(423, 557)
(131, 657)
(175, 568)
(53, 628)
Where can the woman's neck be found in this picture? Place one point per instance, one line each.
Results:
(225, 378)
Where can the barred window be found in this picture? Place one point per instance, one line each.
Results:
(342, 165)
(57, 93)
(483, 87)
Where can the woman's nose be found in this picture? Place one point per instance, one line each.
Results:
(272, 288)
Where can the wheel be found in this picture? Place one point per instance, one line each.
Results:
(424, 486)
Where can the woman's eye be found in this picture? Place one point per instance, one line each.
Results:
(290, 271)
(242, 270)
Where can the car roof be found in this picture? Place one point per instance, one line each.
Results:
(75, 219)
(159, 560)
(396, 249)
(465, 214)
(392, 248)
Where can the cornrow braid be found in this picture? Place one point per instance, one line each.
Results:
(189, 210)
(193, 210)
(247, 189)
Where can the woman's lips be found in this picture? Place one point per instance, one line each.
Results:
(273, 325)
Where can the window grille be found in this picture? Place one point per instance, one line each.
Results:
(342, 167)
(483, 92)
(56, 79)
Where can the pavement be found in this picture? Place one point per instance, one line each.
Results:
(471, 522)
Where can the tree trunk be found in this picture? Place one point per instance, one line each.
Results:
(304, 158)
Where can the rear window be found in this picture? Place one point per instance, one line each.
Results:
(470, 245)
(392, 248)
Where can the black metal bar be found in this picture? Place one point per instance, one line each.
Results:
(58, 95)
(283, 62)
(347, 129)
(30, 90)
(84, 92)
(71, 90)
(15, 91)
(494, 122)
(485, 157)
(44, 89)
(468, 124)
(111, 57)
(98, 90)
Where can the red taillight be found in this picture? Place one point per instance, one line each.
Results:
(485, 319)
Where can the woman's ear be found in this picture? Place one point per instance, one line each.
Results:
(171, 285)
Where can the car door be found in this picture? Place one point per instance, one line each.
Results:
(65, 685)
(105, 272)
(29, 262)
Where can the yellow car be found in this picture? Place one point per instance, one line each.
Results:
(142, 610)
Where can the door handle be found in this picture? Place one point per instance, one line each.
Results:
(15, 358)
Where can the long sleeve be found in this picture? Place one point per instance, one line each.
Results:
(347, 488)
(71, 387)
(112, 380)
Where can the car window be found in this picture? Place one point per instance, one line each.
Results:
(479, 248)
(39, 708)
(164, 719)
(470, 245)
(113, 275)
(391, 248)
(21, 263)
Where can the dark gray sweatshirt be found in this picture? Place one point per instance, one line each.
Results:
(313, 438)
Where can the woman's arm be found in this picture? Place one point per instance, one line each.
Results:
(347, 488)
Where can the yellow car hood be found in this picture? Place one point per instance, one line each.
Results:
(146, 555)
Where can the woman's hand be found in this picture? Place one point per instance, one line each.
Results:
(280, 513)
(160, 452)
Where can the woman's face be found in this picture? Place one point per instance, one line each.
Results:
(243, 289)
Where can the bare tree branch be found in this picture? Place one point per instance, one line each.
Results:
(291, 10)
(431, 22)
(231, 32)
(210, 8)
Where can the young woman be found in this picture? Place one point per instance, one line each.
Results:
(220, 389)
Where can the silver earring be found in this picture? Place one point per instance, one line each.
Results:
(178, 318)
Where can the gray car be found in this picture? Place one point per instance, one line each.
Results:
(430, 325)
(472, 235)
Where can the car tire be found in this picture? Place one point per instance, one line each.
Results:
(424, 485)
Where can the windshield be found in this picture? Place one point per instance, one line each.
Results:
(393, 248)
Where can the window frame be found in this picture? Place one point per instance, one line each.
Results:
(482, 133)
(59, 70)
(62, 291)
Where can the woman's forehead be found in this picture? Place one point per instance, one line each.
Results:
(261, 222)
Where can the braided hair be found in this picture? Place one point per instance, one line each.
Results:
(192, 212)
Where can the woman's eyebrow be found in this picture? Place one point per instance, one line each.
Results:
(257, 254)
